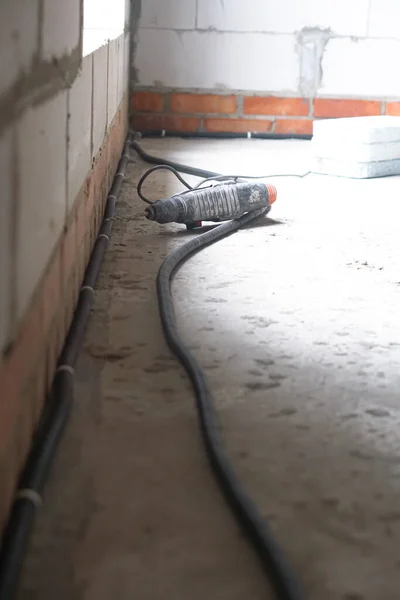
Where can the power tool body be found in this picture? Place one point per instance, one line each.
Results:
(215, 203)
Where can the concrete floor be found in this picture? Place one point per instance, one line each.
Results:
(295, 321)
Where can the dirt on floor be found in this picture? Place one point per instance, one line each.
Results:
(295, 322)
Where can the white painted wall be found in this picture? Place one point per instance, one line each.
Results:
(295, 47)
(48, 135)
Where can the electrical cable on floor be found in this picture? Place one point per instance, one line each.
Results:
(206, 135)
(284, 581)
(56, 412)
(208, 176)
(157, 168)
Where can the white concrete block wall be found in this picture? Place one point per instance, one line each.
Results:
(121, 78)
(209, 59)
(127, 62)
(42, 194)
(291, 47)
(46, 149)
(284, 16)
(361, 68)
(80, 129)
(169, 14)
(384, 19)
(61, 27)
(19, 29)
(100, 92)
(112, 93)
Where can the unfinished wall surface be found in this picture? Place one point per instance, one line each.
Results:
(330, 57)
(63, 121)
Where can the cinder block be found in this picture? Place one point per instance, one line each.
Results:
(112, 93)
(79, 129)
(384, 19)
(127, 15)
(60, 28)
(42, 202)
(170, 14)
(6, 223)
(18, 39)
(245, 61)
(127, 61)
(286, 16)
(100, 91)
(120, 87)
(360, 68)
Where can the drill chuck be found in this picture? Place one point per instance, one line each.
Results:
(216, 203)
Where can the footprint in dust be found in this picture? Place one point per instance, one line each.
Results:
(378, 412)
(259, 385)
(264, 362)
(277, 376)
(255, 373)
(285, 412)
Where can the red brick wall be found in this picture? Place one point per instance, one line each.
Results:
(230, 113)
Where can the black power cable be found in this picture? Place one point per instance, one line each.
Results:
(157, 133)
(285, 583)
(208, 176)
(56, 412)
(55, 415)
(157, 168)
(154, 160)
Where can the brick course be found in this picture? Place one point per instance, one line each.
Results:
(393, 108)
(327, 108)
(190, 112)
(238, 125)
(261, 105)
(203, 103)
(294, 126)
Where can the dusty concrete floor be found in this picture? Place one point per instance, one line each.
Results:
(296, 323)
